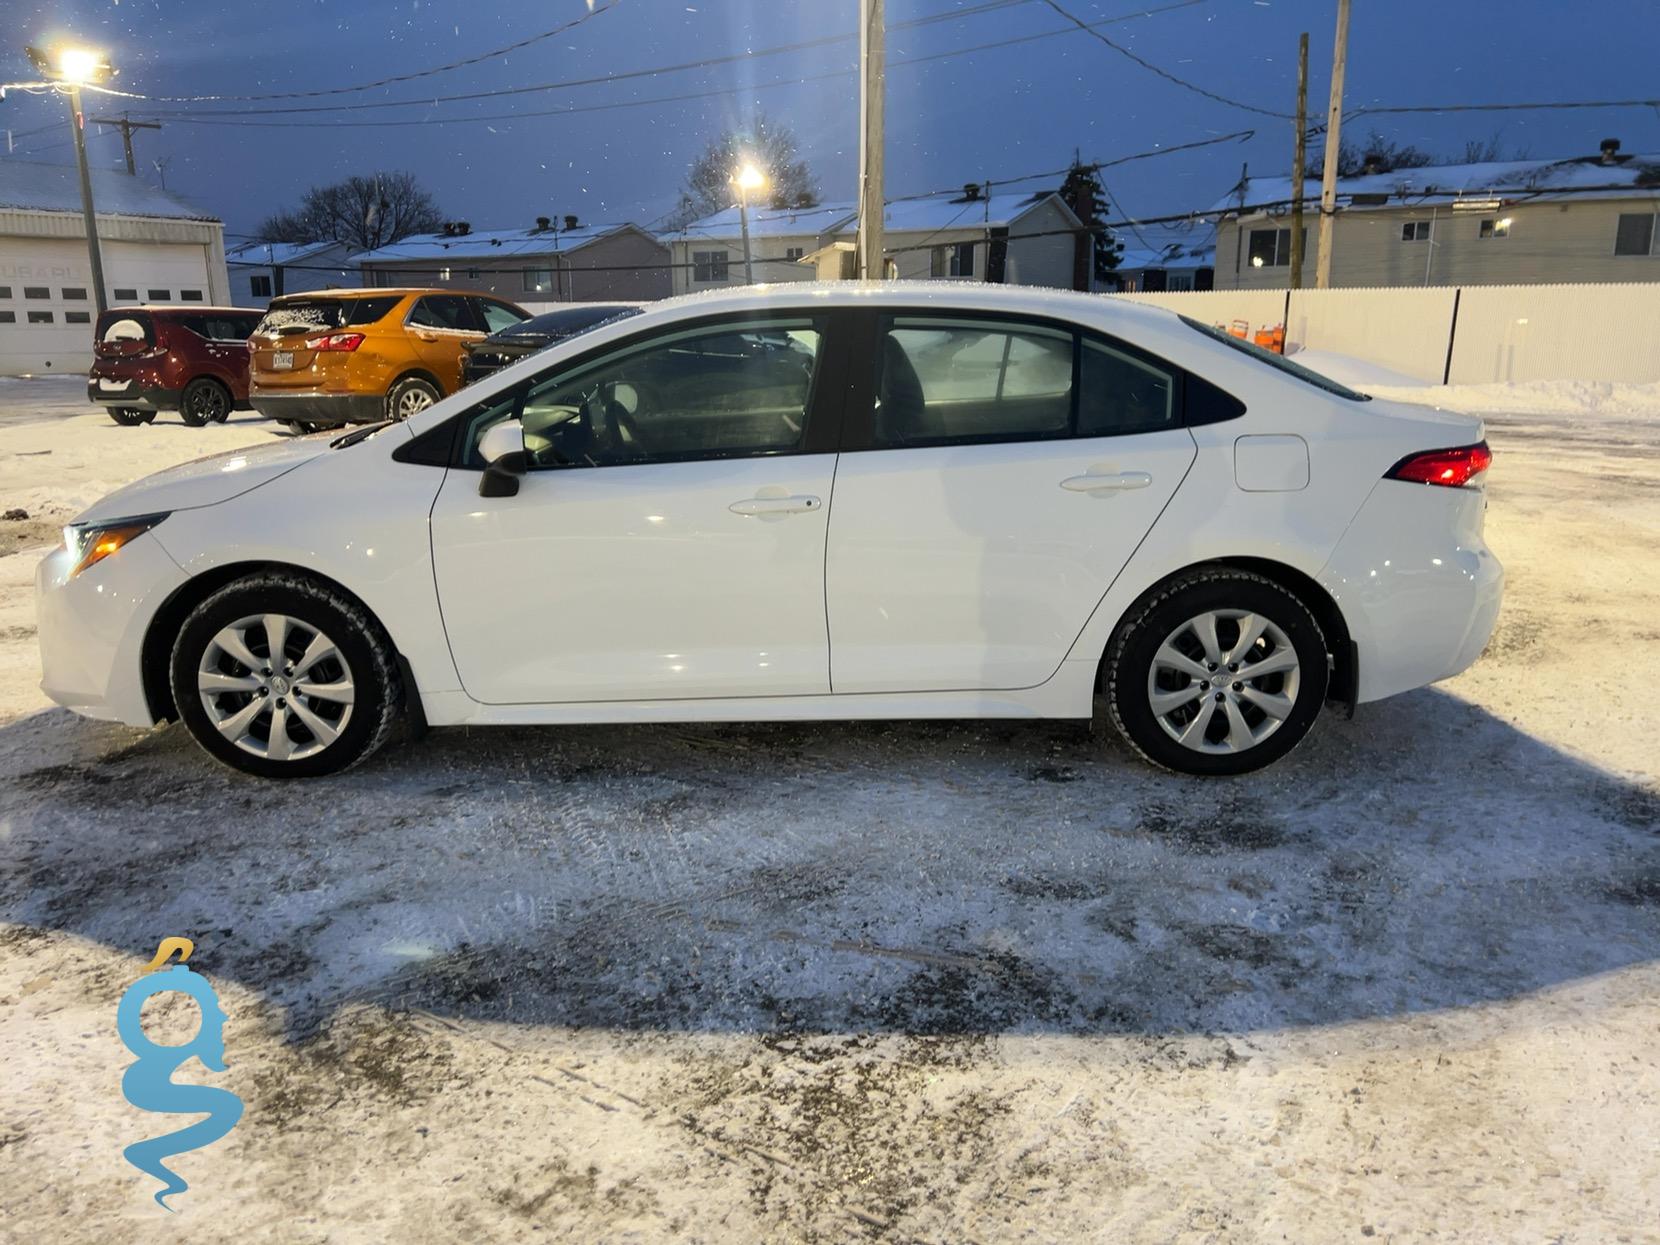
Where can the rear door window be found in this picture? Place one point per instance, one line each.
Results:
(451, 312)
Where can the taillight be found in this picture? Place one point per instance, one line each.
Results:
(1451, 468)
(335, 341)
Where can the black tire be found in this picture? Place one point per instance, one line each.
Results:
(129, 416)
(204, 401)
(410, 388)
(1130, 672)
(366, 659)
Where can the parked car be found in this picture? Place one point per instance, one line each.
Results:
(537, 333)
(193, 360)
(804, 502)
(322, 360)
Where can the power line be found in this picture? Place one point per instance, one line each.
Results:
(1594, 103)
(1164, 73)
(684, 66)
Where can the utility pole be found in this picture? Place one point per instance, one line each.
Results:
(1328, 175)
(1299, 162)
(872, 89)
(127, 127)
(77, 123)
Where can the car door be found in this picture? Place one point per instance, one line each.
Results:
(442, 326)
(1007, 469)
(667, 539)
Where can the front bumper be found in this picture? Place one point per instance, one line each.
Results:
(332, 409)
(136, 396)
(1418, 586)
(92, 628)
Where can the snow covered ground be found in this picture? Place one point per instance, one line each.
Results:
(913, 981)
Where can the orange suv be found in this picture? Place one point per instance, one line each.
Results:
(333, 357)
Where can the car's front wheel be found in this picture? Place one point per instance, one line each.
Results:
(285, 677)
(1222, 671)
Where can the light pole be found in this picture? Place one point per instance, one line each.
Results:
(746, 179)
(70, 67)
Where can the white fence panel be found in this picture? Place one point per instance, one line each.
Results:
(1404, 330)
(1258, 308)
(1557, 332)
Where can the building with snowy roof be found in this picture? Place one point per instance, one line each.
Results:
(261, 271)
(1015, 239)
(1578, 219)
(156, 247)
(555, 261)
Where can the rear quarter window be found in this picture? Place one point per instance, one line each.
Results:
(1276, 361)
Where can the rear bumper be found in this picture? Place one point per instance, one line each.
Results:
(99, 392)
(320, 408)
(1418, 587)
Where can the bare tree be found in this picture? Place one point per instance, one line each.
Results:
(771, 147)
(1388, 155)
(364, 212)
(1487, 150)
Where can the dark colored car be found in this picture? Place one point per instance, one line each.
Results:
(193, 360)
(538, 333)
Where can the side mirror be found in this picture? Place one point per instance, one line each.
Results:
(503, 449)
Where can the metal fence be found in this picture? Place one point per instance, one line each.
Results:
(1458, 334)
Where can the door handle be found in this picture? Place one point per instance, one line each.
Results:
(775, 505)
(1120, 481)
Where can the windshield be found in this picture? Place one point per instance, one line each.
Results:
(306, 314)
(567, 323)
(1305, 374)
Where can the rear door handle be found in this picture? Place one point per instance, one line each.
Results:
(799, 504)
(1120, 481)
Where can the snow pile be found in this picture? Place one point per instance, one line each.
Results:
(1577, 399)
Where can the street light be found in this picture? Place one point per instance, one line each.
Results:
(73, 66)
(746, 179)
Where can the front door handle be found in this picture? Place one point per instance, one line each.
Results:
(798, 504)
(1120, 481)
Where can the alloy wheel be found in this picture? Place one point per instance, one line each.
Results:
(1223, 681)
(412, 401)
(276, 687)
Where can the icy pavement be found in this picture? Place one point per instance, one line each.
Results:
(904, 981)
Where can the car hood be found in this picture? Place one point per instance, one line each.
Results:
(207, 481)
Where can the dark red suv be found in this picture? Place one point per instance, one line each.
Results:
(193, 360)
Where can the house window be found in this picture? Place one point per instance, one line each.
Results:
(473, 274)
(538, 280)
(793, 253)
(1415, 231)
(259, 286)
(190, 296)
(77, 317)
(126, 296)
(1634, 235)
(40, 317)
(443, 274)
(36, 291)
(159, 296)
(1271, 248)
(5, 291)
(962, 260)
(74, 293)
(1495, 228)
(8, 317)
(709, 265)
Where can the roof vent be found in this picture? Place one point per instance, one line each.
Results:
(1373, 165)
(1611, 152)
(571, 223)
(971, 191)
(449, 229)
(463, 228)
(543, 224)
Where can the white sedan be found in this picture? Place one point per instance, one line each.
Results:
(802, 502)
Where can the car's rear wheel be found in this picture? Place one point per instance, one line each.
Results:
(1222, 671)
(204, 401)
(410, 396)
(130, 416)
(284, 677)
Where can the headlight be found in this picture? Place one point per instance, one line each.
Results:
(90, 543)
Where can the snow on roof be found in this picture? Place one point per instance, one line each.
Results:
(274, 253)
(33, 187)
(1444, 183)
(1171, 247)
(939, 212)
(486, 243)
(767, 222)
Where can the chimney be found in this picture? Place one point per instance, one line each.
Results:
(449, 229)
(542, 224)
(1373, 165)
(462, 228)
(570, 223)
(971, 191)
(1611, 151)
